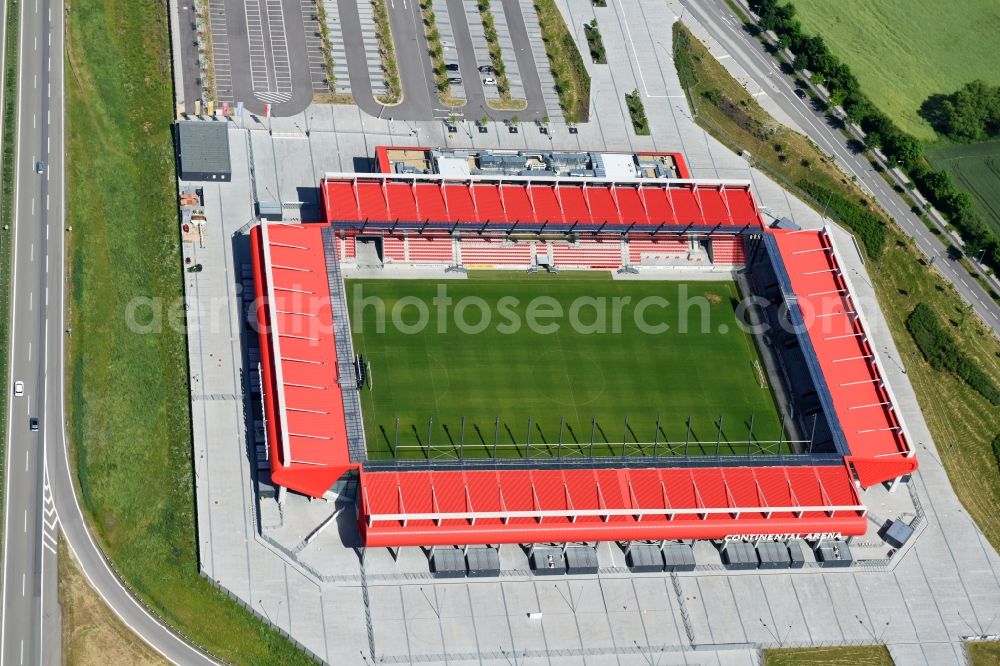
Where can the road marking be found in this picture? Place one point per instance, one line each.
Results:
(25, 521)
(29, 351)
(10, 357)
(32, 206)
(32, 256)
(27, 459)
(24, 583)
(36, 80)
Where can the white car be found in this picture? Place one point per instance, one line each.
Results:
(489, 81)
(18, 388)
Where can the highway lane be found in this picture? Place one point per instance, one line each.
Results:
(40, 496)
(725, 28)
(29, 627)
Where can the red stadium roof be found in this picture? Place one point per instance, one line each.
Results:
(303, 406)
(303, 402)
(861, 398)
(506, 201)
(480, 507)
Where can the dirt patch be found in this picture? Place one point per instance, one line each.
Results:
(712, 298)
(92, 635)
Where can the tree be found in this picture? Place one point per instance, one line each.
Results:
(902, 148)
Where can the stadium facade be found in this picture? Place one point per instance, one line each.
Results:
(607, 214)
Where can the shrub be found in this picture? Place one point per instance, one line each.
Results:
(938, 347)
(864, 223)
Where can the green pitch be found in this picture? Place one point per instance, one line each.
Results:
(576, 353)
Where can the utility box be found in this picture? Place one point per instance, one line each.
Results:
(678, 557)
(547, 561)
(483, 562)
(833, 554)
(581, 560)
(896, 533)
(739, 555)
(644, 558)
(773, 555)
(796, 556)
(448, 563)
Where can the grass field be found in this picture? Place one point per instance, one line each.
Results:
(903, 51)
(875, 655)
(962, 422)
(127, 393)
(975, 168)
(590, 367)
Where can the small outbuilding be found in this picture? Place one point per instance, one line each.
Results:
(202, 148)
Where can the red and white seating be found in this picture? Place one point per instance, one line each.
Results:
(642, 246)
(393, 248)
(494, 252)
(728, 251)
(588, 254)
(345, 247)
(431, 249)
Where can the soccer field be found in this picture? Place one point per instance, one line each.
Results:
(521, 374)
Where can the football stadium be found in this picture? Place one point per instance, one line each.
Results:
(552, 347)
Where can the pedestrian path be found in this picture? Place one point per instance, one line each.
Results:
(443, 22)
(549, 95)
(318, 75)
(220, 50)
(507, 53)
(338, 53)
(369, 36)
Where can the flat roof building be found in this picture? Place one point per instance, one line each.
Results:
(202, 150)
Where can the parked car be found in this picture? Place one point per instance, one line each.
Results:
(40, 166)
(487, 69)
(489, 81)
(33, 423)
(452, 66)
(18, 388)
(800, 93)
(454, 79)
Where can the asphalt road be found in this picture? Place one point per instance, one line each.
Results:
(29, 628)
(40, 496)
(749, 53)
(416, 72)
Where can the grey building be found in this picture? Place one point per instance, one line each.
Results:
(202, 150)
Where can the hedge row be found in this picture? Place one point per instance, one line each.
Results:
(861, 221)
(938, 347)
